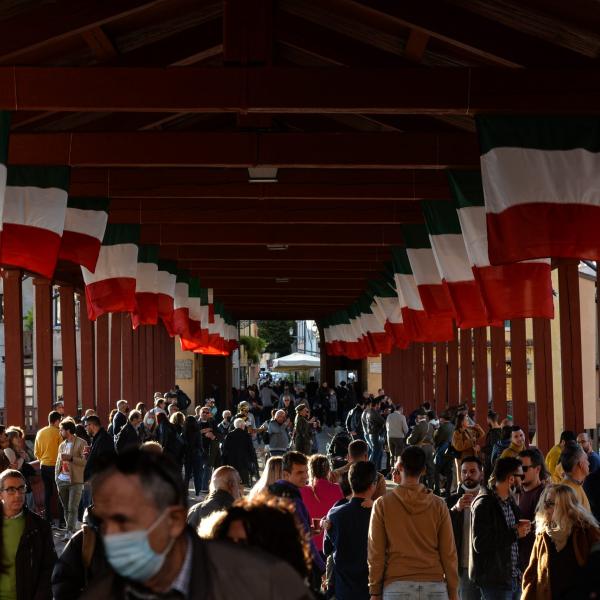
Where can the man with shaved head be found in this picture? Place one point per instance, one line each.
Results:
(224, 491)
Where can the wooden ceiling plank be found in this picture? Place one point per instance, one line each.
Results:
(100, 44)
(416, 45)
(54, 21)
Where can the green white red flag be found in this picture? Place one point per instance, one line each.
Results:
(85, 224)
(146, 287)
(541, 177)
(33, 217)
(166, 280)
(111, 287)
(453, 264)
(510, 291)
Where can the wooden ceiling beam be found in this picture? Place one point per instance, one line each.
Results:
(407, 90)
(55, 21)
(487, 39)
(260, 235)
(284, 150)
(267, 211)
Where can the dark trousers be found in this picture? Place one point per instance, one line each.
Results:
(48, 474)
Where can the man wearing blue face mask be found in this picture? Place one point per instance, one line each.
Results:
(140, 504)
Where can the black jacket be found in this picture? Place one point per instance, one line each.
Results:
(35, 559)
(220, 571)
(102, 449)
(490, 562)
(119, 421)
(458, 518)
(127, 439)
(215, 501)
(238, 451)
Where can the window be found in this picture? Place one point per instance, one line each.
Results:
(28, 374)
(58, 382)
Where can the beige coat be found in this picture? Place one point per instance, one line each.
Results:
(77, 465)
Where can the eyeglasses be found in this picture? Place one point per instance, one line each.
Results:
(11, 491)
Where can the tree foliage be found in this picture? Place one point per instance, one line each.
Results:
(254, 346)
(277, 335)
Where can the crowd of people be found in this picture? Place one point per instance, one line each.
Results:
(395, 507)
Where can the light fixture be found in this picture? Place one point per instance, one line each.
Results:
(277, 247)
(282, 279)
(262, 174)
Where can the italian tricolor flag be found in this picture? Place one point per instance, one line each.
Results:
(166, 280)
(511, 291)
(541, 182)
(85, 224)
(111, 287)
(453, 263)
(386, 298)
(33, 218)
(194, 337)
(146, 287)
(418, 325)
(434, 295)
(373, 322)
(181, 304)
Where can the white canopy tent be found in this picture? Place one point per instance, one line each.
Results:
(296, 362)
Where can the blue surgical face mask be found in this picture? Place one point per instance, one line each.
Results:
(131, 555)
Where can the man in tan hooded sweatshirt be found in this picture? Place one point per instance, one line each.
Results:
(411, 544)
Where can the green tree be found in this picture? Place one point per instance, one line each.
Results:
(277, 335)
(254, 346)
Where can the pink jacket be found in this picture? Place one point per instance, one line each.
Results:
(319, 500)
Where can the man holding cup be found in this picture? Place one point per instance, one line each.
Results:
(471, 476)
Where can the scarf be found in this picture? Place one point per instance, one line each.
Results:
(558, 536)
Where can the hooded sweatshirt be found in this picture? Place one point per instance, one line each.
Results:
(411, 539)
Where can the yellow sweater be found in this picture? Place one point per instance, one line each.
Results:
(553, 457)
(46, 445)
(579, 492)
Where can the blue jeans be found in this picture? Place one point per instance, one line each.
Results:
(415, 590)
(502, 593)
(375, 450)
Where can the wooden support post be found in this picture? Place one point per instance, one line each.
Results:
(453, 391)
(428, 372)
(418, 370)
(88, 358)
(69, 349)
(42, 320)
(135, 371)
(518, 368)
(466, 365)
(498, 352)
(156, 348)
(570, 344)
(544, 390)
(14, 386)
(481, 375)
(149, 363)
(127, 358)
(441, 380)
(115, 358)
(102, 368)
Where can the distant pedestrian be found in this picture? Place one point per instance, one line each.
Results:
(45, 449)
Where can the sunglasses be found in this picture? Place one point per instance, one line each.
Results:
(527, 467)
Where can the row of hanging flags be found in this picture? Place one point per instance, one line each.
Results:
(41, 224)
(482, 256)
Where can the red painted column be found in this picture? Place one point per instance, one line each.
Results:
(135, 371)
(544, 387)
(518, 360)
(127, 358)
(143, 375)
(466, 365)
(481, 376)
(88, 358)
(428, 372)
(570, 344)
(68, 348)
(42, 321)
(498, 353)
(14, 394)
(453, 391)
(115, 358)
(440, 377)
(149, 363)
(418, 371)
(157, 378)
(102, 368)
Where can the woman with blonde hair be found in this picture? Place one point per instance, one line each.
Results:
(272, 472)
(566, 532)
